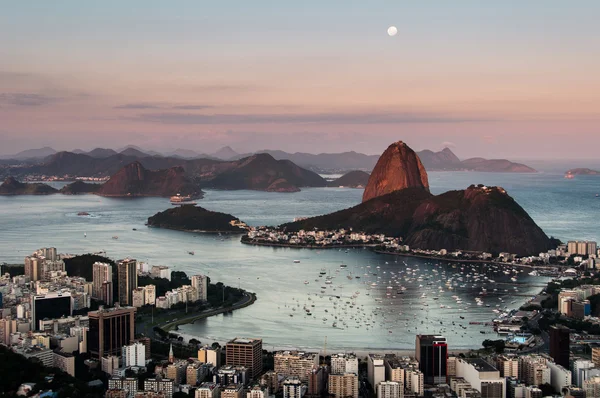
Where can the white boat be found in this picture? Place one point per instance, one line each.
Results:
(182, 200)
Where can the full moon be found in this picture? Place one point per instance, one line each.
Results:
(392, 31)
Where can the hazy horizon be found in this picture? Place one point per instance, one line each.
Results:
(503, 80)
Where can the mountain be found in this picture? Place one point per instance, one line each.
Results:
(79, 187)
(495, 166)
(134, 152)
(352, 179)
(225, 153)
(262, 172)
(583, 172)
(186, 154)
(194, 218)
(11, 186)
(135, 180)
(101, 153)
(478, 218)
(32, 154)
(442, 160)
(398, 168)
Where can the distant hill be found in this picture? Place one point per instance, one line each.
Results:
(194, 218)
(32, 154)
(262, 172)
(442, 160)
(11, 186)
(583, 172)
(225, 153)
(352, 179)
(135, 180)
(134, 153)
(101, 153)
(79, 187)
(496, 166)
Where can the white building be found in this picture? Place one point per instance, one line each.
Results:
(415, 381)
(200, 283)
(344, 363)
(159, 385)
(293, 388)
(109, 363)
(161, 271)
(139, 298)
(390, 389)
(482, 376)
(375, 370)
(208, 390)
(134, 355)
(150, 294)
(592, 387)
(559, 376)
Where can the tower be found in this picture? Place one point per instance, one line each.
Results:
(127, 275)
(171, 356)
(432, 353)
(559, 345)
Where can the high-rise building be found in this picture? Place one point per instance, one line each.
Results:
(65, 362)
(129, 385)
(200, 283)
(159, 385)
(150, 294)
(389, 389)
(508, 365)
(344, 363)
(534, 370)
(559, 345)
(245, 352)
(139, 299)
(343, 386)
(295, 364)
(107, 293)
(127, 277)
(101, 272)
(258, 392)
(414, 381)
(211, 355)
(432, 353)
(316, 381)
(110, 329)
(134, 355)
(208, 390)
(375, 370)
(592, 387)
(195, 373)
(232, 391)
(293, 388)
(482, 376)
(50, 306)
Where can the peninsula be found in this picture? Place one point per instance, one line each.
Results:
(192, 218)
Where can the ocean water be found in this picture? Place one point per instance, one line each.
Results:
(566, 209)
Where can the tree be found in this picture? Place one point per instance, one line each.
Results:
(547, 390)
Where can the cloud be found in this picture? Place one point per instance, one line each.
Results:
(191, 107)
(448, 144)
(26, 99)
(316, 118)
(138, 106)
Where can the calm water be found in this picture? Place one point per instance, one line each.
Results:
(563, 208)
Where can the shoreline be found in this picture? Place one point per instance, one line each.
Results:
(311, 247)
(197, 231)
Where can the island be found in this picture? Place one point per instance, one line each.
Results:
(352, 179)
(11, 186)
(193, 218)
(581, 172)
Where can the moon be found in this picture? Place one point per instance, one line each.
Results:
(392, 30)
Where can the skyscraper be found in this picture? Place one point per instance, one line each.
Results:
(101, 272)
(50, 306)
(559, 345)
(432, 353)
(200, 283)
(245, 352)
(110, 329)
(127, 277)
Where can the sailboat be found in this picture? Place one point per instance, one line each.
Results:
(85, 235)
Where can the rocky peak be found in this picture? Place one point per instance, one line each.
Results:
(399, 167)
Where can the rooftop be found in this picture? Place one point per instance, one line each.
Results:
(238, 340)
(480, 365)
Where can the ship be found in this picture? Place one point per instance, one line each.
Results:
(178, 200)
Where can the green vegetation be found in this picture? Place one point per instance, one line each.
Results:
(16, 369)
(497, 345)
(13, 269)
(82, 265)
(194, 218)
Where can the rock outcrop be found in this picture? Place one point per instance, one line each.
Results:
(80, 187)
(478, 218)
(135, 180)
(11, 186)
(398, 168)
(352, 179)
(582, 172)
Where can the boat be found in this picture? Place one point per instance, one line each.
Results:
(115, 237)
(191, 253)
(343, 265)
(296, 261)
(178, 200)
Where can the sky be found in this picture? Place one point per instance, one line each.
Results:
(506, 78)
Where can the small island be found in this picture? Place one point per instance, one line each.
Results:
(11, 186)
(582, 172)
(191, 218)
(353, 179)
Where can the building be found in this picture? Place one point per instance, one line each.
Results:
(150, 294)
(559, 376)
(390, 389)
(101, 273)
(195, 373)
(375, 370)
(247, 353)
(343, 386)
(482, 376)
(127, 280)
(109, 363)
(134, 355)
(230, 374)
(139, 299)
(293, 388)
(110, 329)
(534, 370)
(432, 353)
(116, 393)
(65, 362)
(508, 366)
(177, 371)
(559, 345)
(296, 364)
(159, 385)
(211, 355)
(200, 283)
(258, 392)
(160, 271)
(232, 391)
(129, 385)
(50, 306)
(316, 381)
(208, 390)
(592, 387)
(344, 363)
(414, 381)
(270, 380)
